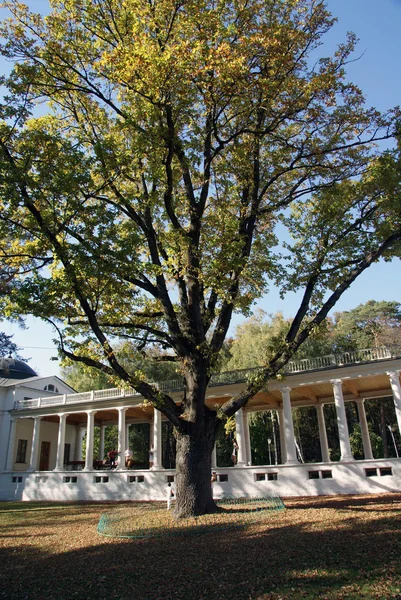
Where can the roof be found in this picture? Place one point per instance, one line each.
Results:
(9, 382)
(15, 369)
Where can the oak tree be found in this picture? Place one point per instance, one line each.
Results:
(191, 154)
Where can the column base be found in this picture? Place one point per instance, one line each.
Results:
(292, 462)
(347, 458)
(240, 464)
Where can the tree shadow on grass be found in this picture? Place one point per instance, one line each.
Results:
(291, 561)
(384, 503)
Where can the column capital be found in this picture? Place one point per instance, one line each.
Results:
(63, 415)
(336, 381)
(91, 411)
(286, 389)
(393, 374)
(122, 409)
(359, 401)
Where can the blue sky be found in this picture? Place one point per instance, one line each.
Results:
(377, 24)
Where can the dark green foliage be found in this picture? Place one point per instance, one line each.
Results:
(168, 445)
(369, 325)
(263, 426)
(224, 446)
(7, 347)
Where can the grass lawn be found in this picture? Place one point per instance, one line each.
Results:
(326, 548)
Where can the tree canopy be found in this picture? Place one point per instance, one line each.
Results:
(7, 346)
(193, 154)
(372, 324)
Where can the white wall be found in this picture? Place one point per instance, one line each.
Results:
(48, 433)
(347, 478)
(8, 396)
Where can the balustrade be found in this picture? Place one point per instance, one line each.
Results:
(227, 377)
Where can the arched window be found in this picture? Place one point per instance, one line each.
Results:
(51, 388)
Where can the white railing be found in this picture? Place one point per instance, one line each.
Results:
(228, 377)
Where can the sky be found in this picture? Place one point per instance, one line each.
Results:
(377, 24)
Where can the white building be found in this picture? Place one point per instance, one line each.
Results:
(43, 422)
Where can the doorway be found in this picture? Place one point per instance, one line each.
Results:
(44, 456)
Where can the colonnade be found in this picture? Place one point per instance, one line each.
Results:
(286, 425)
(286, 428)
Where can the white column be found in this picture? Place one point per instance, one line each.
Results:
(345, 446)
(248, 458)
(61, 442)
(240, 437)
(396, 389)
(33, 466)
(282, 436)
(80, 434)
(11, 445)
(101, 442)
(127, 435)
(214, 457)
(157, 439)
(289, 428)
(367, 446)
(324, 446)
(121, 438)
(89, 440)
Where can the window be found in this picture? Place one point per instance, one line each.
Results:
(313, 474)
(135, 478)
(272, 476)
(50, 388)
(21, 451)
(70, 479)
(385, 471)
(17, 479)
(222, 478)
(327, 475)
(370, 472)
(100, 480)
(170, 478)
(260, 476)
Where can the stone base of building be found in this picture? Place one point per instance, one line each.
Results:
(315, 479)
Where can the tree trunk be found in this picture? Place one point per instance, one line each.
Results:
(193, 472)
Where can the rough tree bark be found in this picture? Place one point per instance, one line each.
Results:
(195, 442)
(193, 472)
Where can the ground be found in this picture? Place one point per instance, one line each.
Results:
(328, 548)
